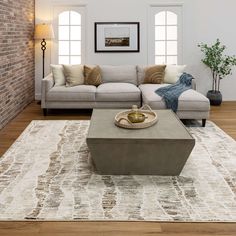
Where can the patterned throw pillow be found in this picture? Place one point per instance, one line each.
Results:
(92, 75)
(74, 75)
(154, 74)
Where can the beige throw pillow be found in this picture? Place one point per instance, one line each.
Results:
(74, 75)
(92, 75)
(154, 74)
(173, 72)
(58, 75)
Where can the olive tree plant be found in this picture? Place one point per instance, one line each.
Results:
(220, 64)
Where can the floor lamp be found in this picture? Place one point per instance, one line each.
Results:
(43, 32)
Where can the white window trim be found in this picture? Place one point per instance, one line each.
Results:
(151, 29)
(57, 9)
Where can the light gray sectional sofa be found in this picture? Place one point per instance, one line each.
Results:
(122, 87)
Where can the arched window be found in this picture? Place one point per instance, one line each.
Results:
(69, 37)
(166, 38)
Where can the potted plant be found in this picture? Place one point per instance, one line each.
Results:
(220, 65)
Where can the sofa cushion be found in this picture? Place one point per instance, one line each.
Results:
(119, 74)
(117, 92)
(74, 75)
(154, 74)
(150, 97)
(58, 75)
(173, 72)
(193, 100)
(75, 93)
(92, 75)
(189, 100)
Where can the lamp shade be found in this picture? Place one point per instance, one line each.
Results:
(43, 31)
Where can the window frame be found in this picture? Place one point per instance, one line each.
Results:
(166, 40)
(153, 11)
(57, 10)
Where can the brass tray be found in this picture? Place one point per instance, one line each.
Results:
(121, 119)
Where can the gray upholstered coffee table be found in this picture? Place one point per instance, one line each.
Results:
(162, 149)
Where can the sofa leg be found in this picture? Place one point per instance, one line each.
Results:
(203, 122)
(45, 111)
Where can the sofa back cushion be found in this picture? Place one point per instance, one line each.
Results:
(119, 74)
(141, 73)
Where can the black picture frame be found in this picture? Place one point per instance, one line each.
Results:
(128, 44)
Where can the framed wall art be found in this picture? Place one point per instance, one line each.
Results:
(117, 37)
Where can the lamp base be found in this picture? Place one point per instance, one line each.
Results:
(43, 47)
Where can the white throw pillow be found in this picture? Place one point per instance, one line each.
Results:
(74, 74)
(58, 75)
(173, 72)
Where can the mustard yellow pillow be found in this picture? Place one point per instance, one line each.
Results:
(92, 75)
(154, 74)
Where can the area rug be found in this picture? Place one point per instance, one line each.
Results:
(48, 174)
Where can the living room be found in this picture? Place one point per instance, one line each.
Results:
(117, 117)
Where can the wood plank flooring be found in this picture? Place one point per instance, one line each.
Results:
(224, 116)
(115, 228)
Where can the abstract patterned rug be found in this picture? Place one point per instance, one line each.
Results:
(47, 174)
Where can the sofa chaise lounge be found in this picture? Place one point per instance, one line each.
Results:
(122, 87)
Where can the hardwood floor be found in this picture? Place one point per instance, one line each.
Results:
(115, 229)
(224, 116)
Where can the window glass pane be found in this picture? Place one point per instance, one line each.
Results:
(160, 18)
(171, 18)
(75, 48)
(172, 60)
(64, 60)
(75, 60)
(64, 18)
(75, 33)
(171, 32)
(172, 48)
(69, 38)
(64, 48)
(159, 60)
(75, 18)
(160, 48)
(160, 33)
(63, 33)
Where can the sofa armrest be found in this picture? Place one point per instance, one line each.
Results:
(194, 86)
(47, 84)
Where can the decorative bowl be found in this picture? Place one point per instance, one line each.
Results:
(146, 117)
(136, 117)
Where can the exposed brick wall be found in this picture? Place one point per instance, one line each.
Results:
(16, 57)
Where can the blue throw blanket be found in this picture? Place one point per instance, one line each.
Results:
(172, 92)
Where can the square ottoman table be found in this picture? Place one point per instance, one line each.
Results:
(161, 149)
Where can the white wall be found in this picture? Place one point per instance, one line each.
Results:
(203, 21)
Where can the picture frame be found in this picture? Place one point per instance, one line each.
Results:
(116, 37)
